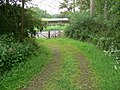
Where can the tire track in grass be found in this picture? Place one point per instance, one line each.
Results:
(69, 70)
(38, 82)
(86, 74)
(75, 73)
(86, 78)
(68, 73)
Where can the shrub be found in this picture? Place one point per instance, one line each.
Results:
(83, 27)
(103, 33)
(13, 52)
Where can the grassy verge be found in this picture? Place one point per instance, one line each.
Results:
(55, 27)
(107, 77)
(23, 73)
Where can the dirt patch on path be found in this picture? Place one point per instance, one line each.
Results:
(86, 75)
(85, 79)
(38, 82)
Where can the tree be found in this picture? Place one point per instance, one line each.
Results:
(22, 21)
(70, 5)
(66, 6)
(40, 13)
(81, 6)
(17, 21)
(74, 5)
(1, 2)
(108, 8)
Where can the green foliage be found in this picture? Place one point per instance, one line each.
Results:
(83, 27)
(61, 15)
(20, 75)
(11, 21)
(103, 33)
(67, 6)
(112, 6)
(13, 52)
(40, 13)
(55, 27)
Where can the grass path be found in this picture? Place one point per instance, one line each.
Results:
(69, 70)
(38, 82)
(64, 64)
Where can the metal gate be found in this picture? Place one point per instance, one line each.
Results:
(49, 34)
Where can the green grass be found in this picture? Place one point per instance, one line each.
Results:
(20, 75)
(107, 77)
(55, 27)
(68, 73)
(65, 79)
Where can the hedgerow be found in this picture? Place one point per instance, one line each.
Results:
(13, 52)
(104, 34)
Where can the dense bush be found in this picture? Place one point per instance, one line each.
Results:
(13, 52)
(105, 34)
(84, 27)
(16, 44)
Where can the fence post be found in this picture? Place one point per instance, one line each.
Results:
(48, 34)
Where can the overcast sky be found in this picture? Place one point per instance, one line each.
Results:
(51, 6)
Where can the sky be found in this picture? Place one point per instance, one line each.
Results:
(51, 6)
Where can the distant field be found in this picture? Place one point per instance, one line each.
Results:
(55, 27)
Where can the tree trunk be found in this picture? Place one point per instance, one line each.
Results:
(22, 21)
(7, 1)
(74, 5)
(81, 6)
(91, 8)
